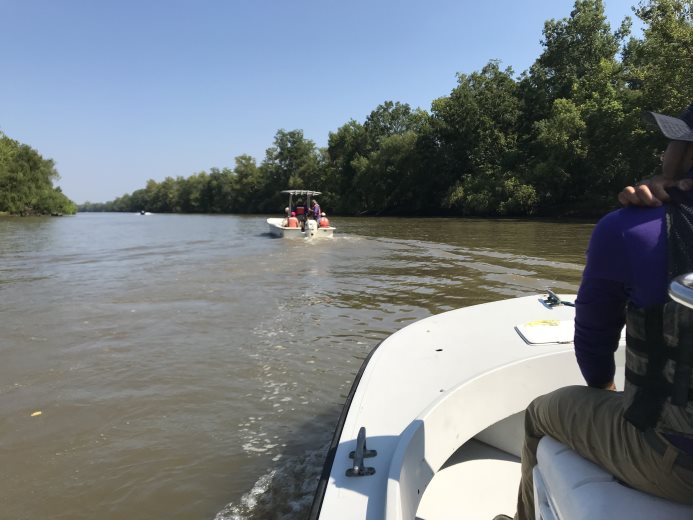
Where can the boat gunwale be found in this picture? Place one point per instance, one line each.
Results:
(336, 437)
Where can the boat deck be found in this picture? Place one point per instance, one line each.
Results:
(483, 479)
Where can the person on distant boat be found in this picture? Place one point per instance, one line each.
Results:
(292, 221)
(643, 435)
(315, 207)
(300, 211)
(285, 221)
(323, 222)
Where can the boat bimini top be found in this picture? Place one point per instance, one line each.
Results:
(302, 192)
(306, 193)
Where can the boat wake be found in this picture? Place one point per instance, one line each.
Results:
(284, 493)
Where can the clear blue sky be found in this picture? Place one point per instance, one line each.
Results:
(121, 91)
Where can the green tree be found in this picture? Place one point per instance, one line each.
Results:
(575, 47)
(220, 189)
(575, 140)
(26, 182)
(378, 158)
(476, 127)
(193, 195)
(291, 163)
(290, 160)
(389, 119)
(345, 148)
(247, 184)
(659, 66)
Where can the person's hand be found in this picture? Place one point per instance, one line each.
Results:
(651, 192)
(610, 386)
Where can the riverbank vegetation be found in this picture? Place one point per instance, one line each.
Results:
(561, 139)
(26, 182)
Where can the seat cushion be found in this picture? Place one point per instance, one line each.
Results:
(575, 489)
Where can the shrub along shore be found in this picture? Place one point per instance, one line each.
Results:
(26, 182)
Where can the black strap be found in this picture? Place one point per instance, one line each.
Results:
(662, 388)
(643, 347)
(652, 390)
(680, 393)
(679, 219)
(683, 460)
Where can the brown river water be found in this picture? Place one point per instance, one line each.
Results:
(192, 367)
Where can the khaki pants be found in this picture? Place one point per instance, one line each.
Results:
(590, 421)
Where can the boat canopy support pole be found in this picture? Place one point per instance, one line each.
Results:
(359, 470)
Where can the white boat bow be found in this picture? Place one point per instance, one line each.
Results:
(442, 402)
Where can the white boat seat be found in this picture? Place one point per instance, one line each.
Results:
(568, 487)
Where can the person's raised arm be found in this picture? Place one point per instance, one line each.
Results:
(676, 162)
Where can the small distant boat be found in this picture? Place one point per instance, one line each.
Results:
(433, 425)
(310, 228)
(142, 212)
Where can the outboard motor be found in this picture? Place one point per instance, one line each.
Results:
(311, 228)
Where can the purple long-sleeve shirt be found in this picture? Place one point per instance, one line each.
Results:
(626, 260)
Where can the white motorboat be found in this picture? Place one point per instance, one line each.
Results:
(308, 230)
(433, 425)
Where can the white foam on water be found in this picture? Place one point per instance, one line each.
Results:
(248, 501)
(283, 493)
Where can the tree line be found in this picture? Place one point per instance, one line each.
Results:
(26, 182)
(562, 138)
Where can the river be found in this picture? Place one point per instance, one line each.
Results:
(191, 367)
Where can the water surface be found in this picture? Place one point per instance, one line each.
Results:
(192, 367)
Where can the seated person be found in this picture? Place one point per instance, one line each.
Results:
(323, 222)
(292, 221)
(300, 210)
(644, 435)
